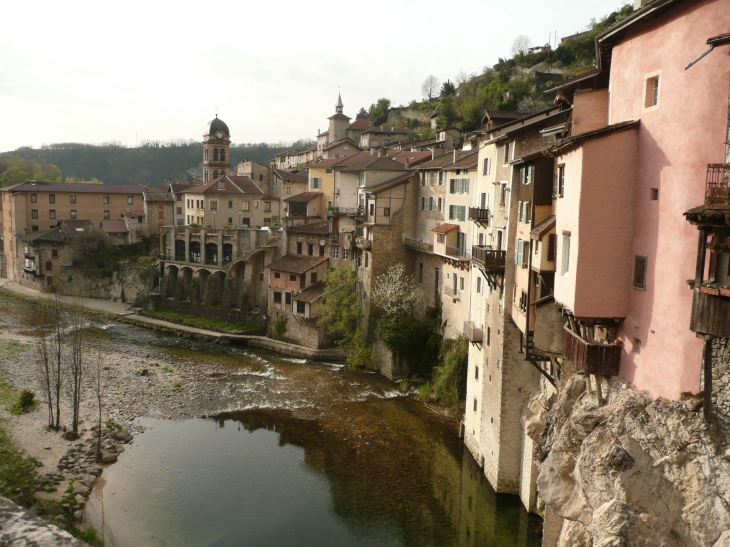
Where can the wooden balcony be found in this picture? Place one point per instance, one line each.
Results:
(418, 245)
(488, 259)
(341, 211)
(710, 313)
(602, 359)
(472, 332)
(480, 216)
(717, 190)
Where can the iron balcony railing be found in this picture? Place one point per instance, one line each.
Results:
(717, 191)
(477, 214)
(472, 332)
(488, 258)
(338, 211)
(418, 245)
(457, 253)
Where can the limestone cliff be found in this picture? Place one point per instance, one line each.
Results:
(633, 472)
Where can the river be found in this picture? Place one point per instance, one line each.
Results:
(296, 453)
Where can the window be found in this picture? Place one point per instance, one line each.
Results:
(506, 152)
(301, 307)
(526, 174)
(386, 211)
(328, 171)
(316, 183)
(51, 213)
(223, 155)
(502, 194)
(654, 194)
(372, 209)
(246, 206)
(54, 253)
(73, 214)
(459, 186)
(310, 249)
(34, 198)
(106, 199)
(215, 174)
(461, 283)
(420, 272)
(561, 181)
(313, 277)
(214, 205)
(637, 345)
(525, 211)
(361, 180)
(520, 254)
(640, 272)
(479, 285)
(72, 198)
(49, 266)
(299, 247)
(160, 215)
(277, 297)
(486, 166)
(552, 240)
(106, 215)
(267, 206)
(215, 154)
(652, 92)
(261, 178)
(34, 213)
(489, 335)
(523, 302)
(345, 254)
(476, 373)
(566, 253)
(440, 204)
(441, 238)
(49, 280)
(287, 190)
(267, 221)
(335, 251)
(51, 198)
(292, 277)
(130, 200)
(34, 228)
(366, 259)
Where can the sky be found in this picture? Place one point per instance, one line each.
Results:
(95, 72)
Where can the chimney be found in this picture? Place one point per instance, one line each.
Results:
(408, 163)
(454, 156)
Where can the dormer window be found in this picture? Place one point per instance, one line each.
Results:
(221, 185)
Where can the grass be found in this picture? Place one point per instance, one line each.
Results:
(11, 348)
(424, 391)
(167, 369)
(17, 473)
(200, 322)
(176, 385)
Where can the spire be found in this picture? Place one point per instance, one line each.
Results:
(340, 106)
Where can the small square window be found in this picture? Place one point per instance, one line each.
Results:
(130, 200)
(51, 198)
(301, 307)
(277, 275)
(292, 278)
(72, 198)
(51, 213)
(73, 214)
(34, 198)
(277, 298)
(655, 194)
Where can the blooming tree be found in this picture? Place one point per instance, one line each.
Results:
(395, 292)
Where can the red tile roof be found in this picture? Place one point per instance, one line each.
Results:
(445, 228)
(304, 197)
(297, 264)
(114, 227)
(414, 158)
(232, 185)
(339, 116)
(81, 188)
(133, 213)
(361, 124)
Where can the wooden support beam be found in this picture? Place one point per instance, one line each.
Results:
(599, 392)
(707, 405)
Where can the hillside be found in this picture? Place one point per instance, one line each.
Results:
(113, 164)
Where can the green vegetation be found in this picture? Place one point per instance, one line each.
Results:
(424, 391)
(200, 322)
(404, 385)
(167, 369)
(414, 340)
(176, 385)
(25, 403)
(14, 170)
(17, 473)
(280, 326)
(92, 537)
(449, 378)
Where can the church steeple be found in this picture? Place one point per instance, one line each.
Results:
(340, 106)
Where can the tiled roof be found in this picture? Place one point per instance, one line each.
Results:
(361, 124)
(339, 116)
(391, 183)
(445, 228)
(376, 163)
(133, 213)
(158, 196)
(394, 131)
(414, 158)
(570, 142)
(466, 161)
(114, 227)
(547, 224)
(297, 264)
(81, 188)
(232, 185)
(312, 293)
(346, 140)
(289, 175)
(304, 197)
(443, 161)
(321, 228)
(63, 233)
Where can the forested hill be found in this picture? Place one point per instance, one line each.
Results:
(113, 164)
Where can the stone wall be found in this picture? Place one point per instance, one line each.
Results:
(721, 387)
(21, 528)
(123, 285)
(301, 331)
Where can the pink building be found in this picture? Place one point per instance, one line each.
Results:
(682, 127)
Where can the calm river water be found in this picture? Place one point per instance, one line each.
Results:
(321, 456)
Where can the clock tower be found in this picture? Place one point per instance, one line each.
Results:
(216, 150)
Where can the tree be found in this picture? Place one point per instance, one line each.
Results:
(363, 114)
(77, 362)
(98, 390)
(50, 358)
(521, 46)
(447, 89)
(447, 113)
(395, 292)
(430, 86)
(340, 309)
(379, 111)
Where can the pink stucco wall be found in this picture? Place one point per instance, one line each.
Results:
(676, 141)
(597, 209)
(590, 111)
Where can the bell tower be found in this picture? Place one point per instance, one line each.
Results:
(216, 150)
(338, 122)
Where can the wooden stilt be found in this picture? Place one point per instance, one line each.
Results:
(707, 405)
(599, 392)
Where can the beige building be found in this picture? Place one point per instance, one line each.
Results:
(38, 206)
(230, 201)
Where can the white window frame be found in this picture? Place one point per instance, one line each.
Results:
(565, 253)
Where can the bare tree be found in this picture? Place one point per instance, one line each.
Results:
(396, 292)
(44, 362)
(430, 87)
(57, 356)
(521, 46)
(77, 362)
(98, 390)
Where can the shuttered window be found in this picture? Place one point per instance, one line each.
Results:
(551, 247)
(640, 272)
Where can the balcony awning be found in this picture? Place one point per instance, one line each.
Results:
(543, 227)
(445, 228)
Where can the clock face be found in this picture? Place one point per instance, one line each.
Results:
(219, 134)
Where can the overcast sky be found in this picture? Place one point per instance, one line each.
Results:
(98, 71)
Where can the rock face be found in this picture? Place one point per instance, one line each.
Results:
(20, 528)
(634, 472)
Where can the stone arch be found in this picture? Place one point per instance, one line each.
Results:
(185, 282)
(215, 174)
(200, 283)
(194, 251)
(223, 154)
(211, 253)
(171, 275)
(215, 154)
(216, 293)
(227, 257)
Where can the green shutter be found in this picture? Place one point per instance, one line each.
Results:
(466, 181)
(451, 211)
(451, 186)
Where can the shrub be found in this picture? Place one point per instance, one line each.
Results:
(404, 385)
(359, 354)
(449, 378)
(424, 391)
(281, 326)
(25, 403)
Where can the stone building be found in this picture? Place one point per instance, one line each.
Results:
(216, 150)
